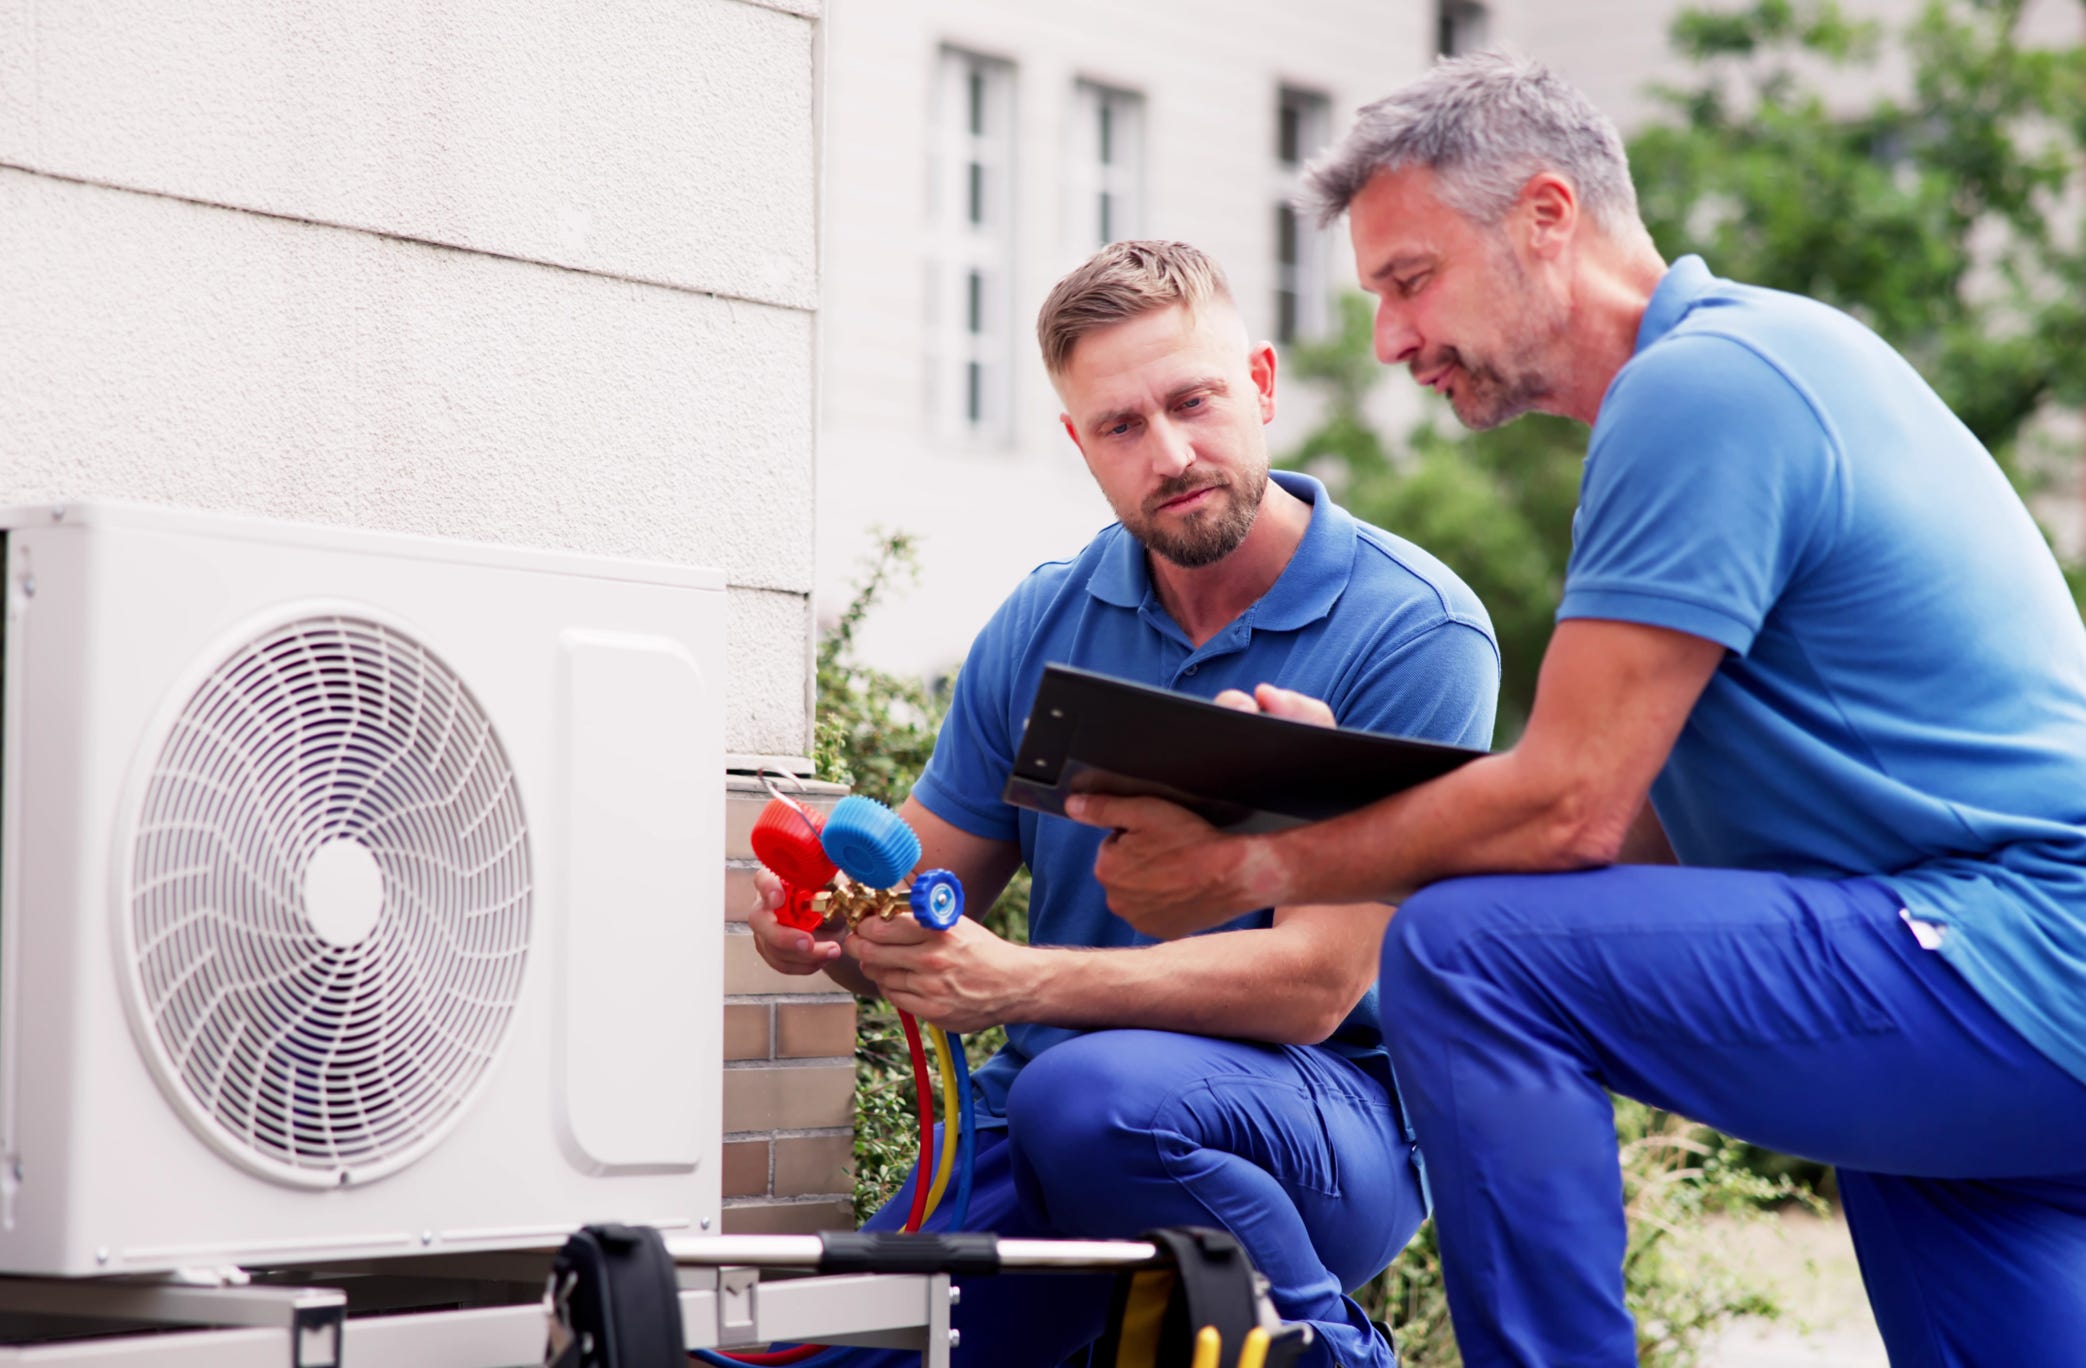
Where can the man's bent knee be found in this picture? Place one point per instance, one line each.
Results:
(1088, 1088)
(1430, 930)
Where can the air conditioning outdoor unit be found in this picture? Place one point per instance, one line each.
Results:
(359, 894)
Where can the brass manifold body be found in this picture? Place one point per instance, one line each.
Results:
(854, 902)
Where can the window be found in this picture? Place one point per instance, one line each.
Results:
(1461, 26)
(1301, 122)
(971, 213)
(1105, 168)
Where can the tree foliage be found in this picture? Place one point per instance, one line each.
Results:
(1946, 216)
(1940, 218)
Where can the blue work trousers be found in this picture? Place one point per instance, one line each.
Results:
(1296, 1151)
(1799, 1014)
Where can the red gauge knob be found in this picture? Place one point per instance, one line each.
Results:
(786, 840)
(798, 911)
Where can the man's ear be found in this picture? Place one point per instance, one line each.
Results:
(1072, 432)
(1550, 207)
(1260, 364)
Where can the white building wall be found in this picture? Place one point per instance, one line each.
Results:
(544, 276)
(1209, 72)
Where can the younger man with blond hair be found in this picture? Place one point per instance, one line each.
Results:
(1235, 1078)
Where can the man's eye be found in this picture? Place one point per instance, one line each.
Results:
(1411, 284)
(1195, 402)
(1119, 429)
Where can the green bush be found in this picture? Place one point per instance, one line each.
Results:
(875, 730)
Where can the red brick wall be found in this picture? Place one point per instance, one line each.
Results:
(789, 1072)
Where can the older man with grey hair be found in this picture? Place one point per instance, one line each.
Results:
(1811, 644)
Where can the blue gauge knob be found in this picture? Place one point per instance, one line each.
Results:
(871, 844)
(937, 899)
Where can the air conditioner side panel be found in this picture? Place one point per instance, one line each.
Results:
(51, 970)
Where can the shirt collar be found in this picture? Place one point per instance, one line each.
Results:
(1687, 280)
(1304, 592)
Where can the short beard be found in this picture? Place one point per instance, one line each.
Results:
(1207, 537)
(1494, 394)
(1489, 398)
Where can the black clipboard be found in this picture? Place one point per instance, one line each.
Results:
(1091, 733)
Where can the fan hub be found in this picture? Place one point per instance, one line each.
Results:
(343, 892)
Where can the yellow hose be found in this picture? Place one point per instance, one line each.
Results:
(943, 1169)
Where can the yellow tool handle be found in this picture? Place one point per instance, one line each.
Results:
(1207, 1343)
(1254, 1352)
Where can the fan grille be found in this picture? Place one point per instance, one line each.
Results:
(321, 1055)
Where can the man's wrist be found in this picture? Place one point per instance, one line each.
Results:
(1030, 990)
(1263, 871)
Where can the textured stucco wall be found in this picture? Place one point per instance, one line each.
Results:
(544, 276)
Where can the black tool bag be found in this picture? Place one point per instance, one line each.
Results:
(614, 1302)
(1156, 1312)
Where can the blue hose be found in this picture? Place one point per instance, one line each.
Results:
(966, 1134)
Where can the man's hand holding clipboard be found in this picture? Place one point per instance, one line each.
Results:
(1238, 768)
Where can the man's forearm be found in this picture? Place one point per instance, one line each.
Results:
(1500, 814)
(1252, 985)
(1611, 700)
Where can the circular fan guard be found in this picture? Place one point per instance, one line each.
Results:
(313, 1061)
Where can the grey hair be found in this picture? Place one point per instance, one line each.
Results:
(1483, 124)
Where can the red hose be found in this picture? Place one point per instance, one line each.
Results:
(925, 1097)
(775, 1358)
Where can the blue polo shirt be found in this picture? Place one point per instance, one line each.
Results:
(1903, 692)
(1367, 621)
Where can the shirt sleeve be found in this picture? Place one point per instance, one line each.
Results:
(974, 750)
(1441, 685)
(1706, 482)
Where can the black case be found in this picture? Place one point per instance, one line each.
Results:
(1155, 1313)
(614, 1302)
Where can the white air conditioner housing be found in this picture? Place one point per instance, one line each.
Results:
(359, 894)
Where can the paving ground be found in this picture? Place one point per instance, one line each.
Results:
(1809, 1262)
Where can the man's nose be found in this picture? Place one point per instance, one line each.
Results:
(1171, 450)
(1397, 341)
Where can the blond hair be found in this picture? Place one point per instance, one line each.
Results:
(1122, 281)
